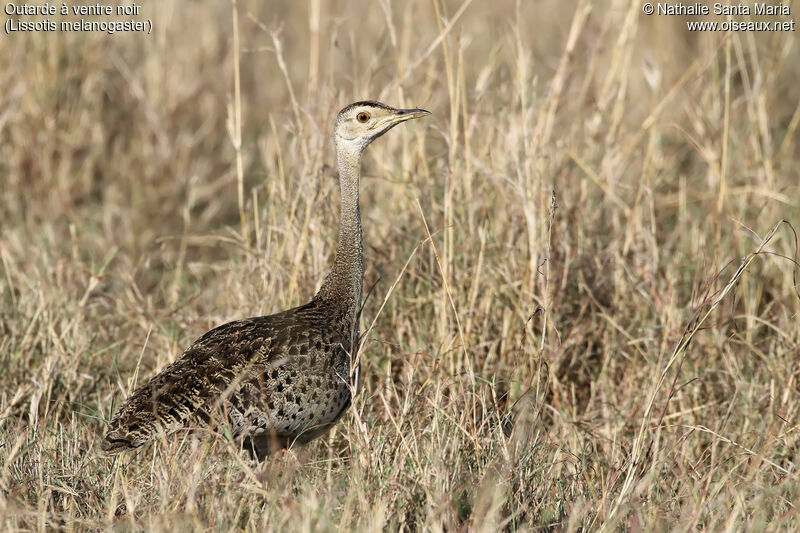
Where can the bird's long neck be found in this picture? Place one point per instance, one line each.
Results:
(343, 285)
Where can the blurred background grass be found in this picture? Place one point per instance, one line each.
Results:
(511, 380)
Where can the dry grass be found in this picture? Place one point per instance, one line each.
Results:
(590, 180)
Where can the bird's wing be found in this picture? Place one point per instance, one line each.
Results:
(190, 389)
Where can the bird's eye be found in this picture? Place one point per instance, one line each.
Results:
(363, 116)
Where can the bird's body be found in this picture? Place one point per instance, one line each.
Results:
(279, 379)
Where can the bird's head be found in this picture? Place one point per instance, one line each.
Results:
(360, 123)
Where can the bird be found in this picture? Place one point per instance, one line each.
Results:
(282, 379)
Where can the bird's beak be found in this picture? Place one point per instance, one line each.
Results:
(401, 115)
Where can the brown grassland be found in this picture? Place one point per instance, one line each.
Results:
(595, 189)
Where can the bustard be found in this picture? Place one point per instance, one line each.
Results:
(284, 378)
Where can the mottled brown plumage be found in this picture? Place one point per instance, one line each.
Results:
(278, 379)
